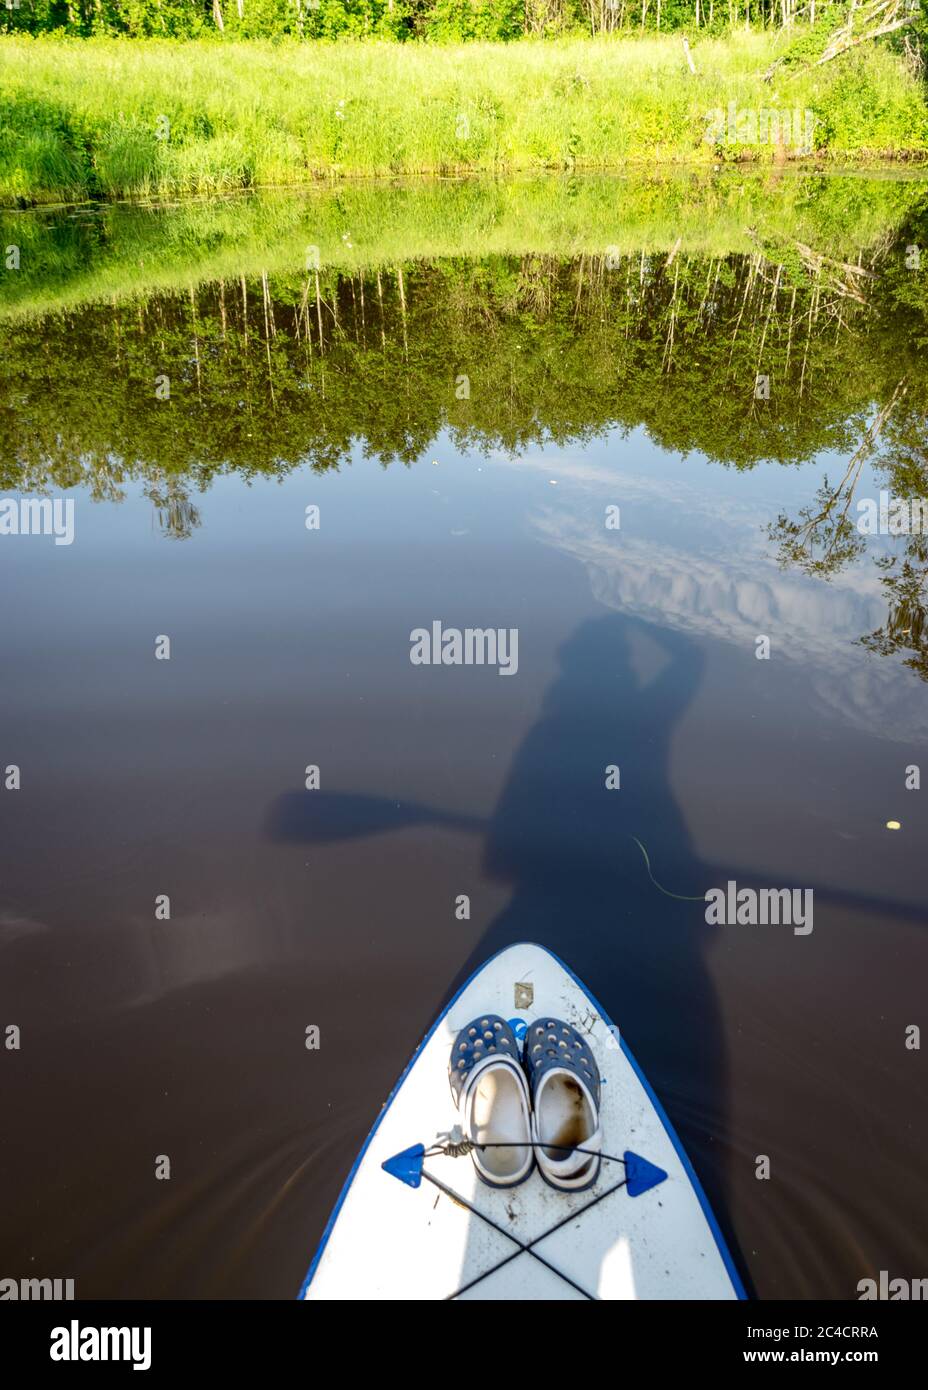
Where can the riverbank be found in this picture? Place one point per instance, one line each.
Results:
(142, 119)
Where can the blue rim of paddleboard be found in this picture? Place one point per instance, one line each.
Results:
(672, 1135)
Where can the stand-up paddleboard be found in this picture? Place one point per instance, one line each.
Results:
(414, 1221)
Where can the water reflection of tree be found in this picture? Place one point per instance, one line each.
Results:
(269, 374)
(282, 371)
(904, 576)
(824, 538)
(905, 583)
(176, 514)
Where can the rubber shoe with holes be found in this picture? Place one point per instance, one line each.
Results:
(564, 1079)
(491, 1093)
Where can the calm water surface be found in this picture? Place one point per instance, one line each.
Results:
(591, 385)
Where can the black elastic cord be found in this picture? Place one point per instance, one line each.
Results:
(523, 1249)
(571, 1216)
(452, 1150)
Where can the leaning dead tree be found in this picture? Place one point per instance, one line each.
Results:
(869, 21)
(831, 527)
(865, 21)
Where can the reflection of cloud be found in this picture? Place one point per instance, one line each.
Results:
(13, 927)
(733, 595)
(196, 949)
(700, 562)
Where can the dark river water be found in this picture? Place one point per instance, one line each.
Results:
(466, 426)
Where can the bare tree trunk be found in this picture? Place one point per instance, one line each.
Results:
(265, 297)
(843, 42)
(196, 339)
(217, 16)
(402, 290)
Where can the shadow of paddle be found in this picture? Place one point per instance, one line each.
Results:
(324, 818)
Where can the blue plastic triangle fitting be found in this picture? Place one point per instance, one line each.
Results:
(640, 1175)
(407, 1166)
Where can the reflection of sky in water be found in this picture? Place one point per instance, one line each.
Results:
(693, 553)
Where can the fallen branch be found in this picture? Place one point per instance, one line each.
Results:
(845, 39)
(817, 257)
(864, 38)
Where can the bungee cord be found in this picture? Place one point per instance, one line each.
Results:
(453, 1148)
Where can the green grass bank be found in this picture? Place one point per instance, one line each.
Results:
(150, 119)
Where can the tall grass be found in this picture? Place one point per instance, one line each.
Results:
(82, 118)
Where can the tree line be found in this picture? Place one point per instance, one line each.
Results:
(449, 20)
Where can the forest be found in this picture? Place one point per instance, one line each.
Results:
(453, 20)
